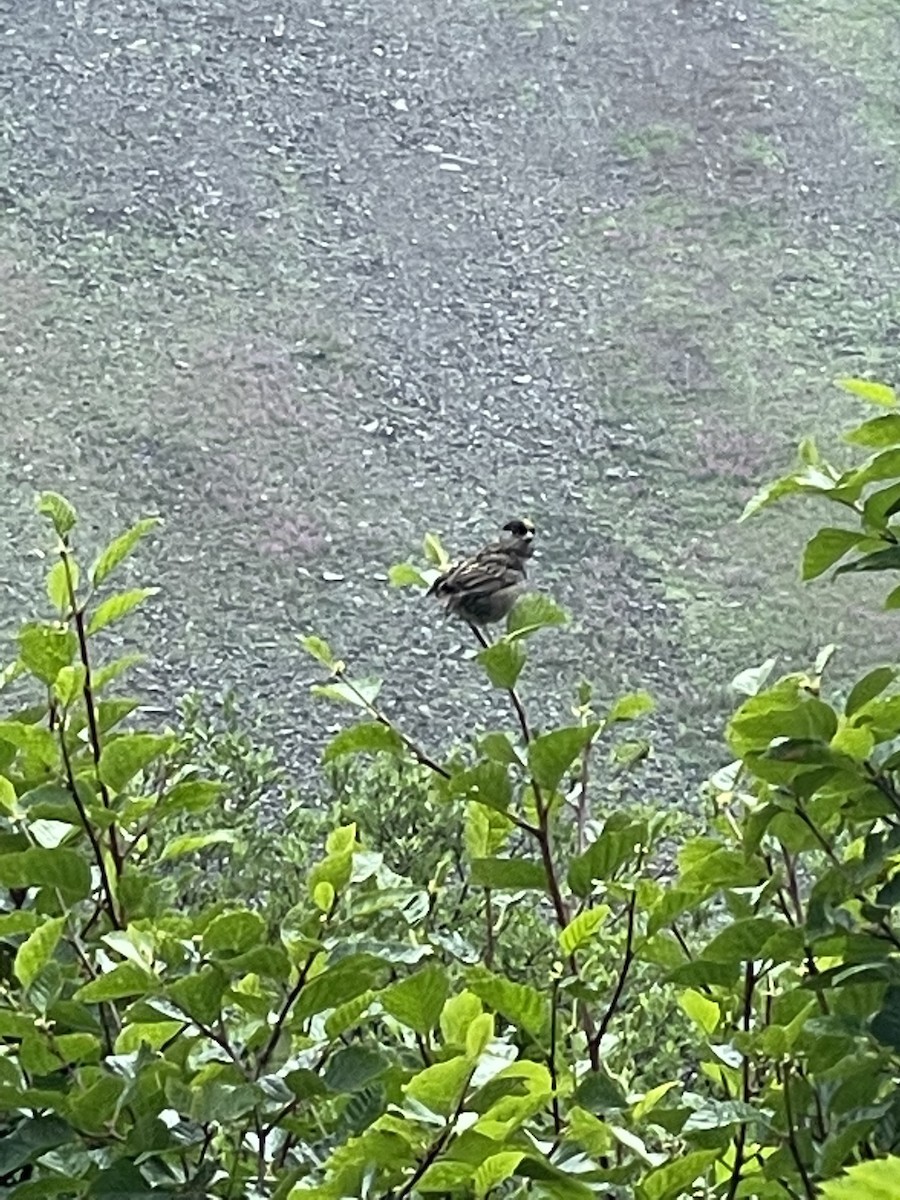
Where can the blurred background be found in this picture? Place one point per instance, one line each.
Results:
(309, 279)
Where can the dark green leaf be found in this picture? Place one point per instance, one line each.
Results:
(119, 548)
(353, 1068)
(503, 663)
(40, 867)
(417, 1001)
(551, 755)
(598, 1093)
(507, 874)
(825, 548)
(867, 688)
(30, 1138)
(881, 560)
(487, 783)
(369, 737)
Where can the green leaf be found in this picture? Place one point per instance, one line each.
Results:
(503, 663)
(532, 612)
(318, 649)
(189, 843)
(893, 600)
(122, 980)
(507, 874)
(406, 575)
(119, 548)
(37, 950)
(434, 552)
(487, 783)
(58, 584)
(700, 1009)
(124, 756)
(29, 1139)
(457, 1016)
(551, 755)
(440, 1086)
(742, 941)
(417, 1001)
(867, 688)
(46, 649)
(630, 707)
(517, 1003)
(879, 1180)
(359, 692)
(876, 434)
(200, 995)
(447, 1177)
(118, 606)
(618, 844)
(676, 1179)
(192, 795)
(582, 928)
(825, 548)
(237, 930)
(498, 1168)
(59, 510)
(369, 737)
(787, 485)
(874, 393)
(66, 870)
(881, 560)
(353, 1068)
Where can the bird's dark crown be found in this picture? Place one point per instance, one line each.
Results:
(520, 527)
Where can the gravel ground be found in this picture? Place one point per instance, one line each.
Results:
(310, 279)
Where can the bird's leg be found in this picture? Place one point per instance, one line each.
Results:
(480, 635)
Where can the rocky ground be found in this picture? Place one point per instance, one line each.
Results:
(309, 278)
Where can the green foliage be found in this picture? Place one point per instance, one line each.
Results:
(465, 973)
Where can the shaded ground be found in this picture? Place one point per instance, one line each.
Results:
(311, 283)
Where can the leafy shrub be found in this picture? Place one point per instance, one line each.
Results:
(366, 1034)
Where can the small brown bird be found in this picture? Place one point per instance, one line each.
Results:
(482, 589)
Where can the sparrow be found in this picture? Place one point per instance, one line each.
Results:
(482, 589)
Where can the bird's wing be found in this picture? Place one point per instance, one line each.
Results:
(490, 571)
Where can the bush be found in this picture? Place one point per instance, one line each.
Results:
(517, 993)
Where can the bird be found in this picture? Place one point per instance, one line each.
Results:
(483, 588)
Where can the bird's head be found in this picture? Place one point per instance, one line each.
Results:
(521, 532)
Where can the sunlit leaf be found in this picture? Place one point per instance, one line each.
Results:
(532, 612)
(368, 737)
(551, 754)
(118, 606)
(46, 649)
(825, 548)
(874, 393)
(37, 950)
(119, 548)
(59, 510)
(417, 1001)
(503, 663)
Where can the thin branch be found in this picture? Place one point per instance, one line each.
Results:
(88, 694)
(627, 960)
(89, 830)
